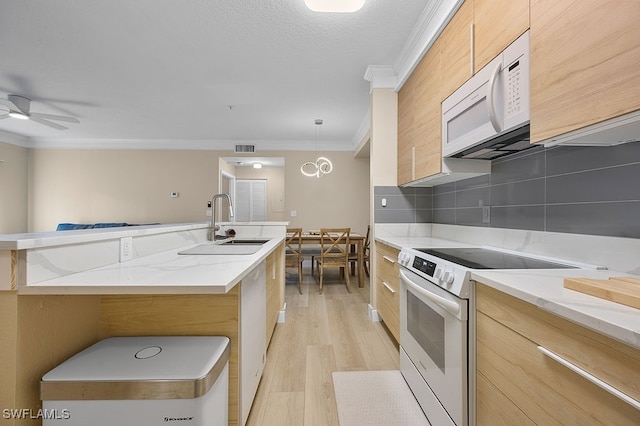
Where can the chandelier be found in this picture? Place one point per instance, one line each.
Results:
(322, 165)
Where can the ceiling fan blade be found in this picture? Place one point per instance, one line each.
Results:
(47, 123)
(55, 117)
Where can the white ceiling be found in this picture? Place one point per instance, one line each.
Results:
(203, 74)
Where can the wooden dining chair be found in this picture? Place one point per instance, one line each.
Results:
(334, 252)
(353, 256)
(293, 252)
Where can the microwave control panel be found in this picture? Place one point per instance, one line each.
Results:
(514, 90)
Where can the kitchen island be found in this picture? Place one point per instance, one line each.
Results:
(63, 291)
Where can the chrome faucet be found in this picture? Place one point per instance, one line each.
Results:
(211, 235)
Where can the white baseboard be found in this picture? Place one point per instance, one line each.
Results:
(373, 314)
(281, 314)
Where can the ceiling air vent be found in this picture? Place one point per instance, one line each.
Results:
(244, 148)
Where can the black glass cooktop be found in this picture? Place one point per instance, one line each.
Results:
(480, 258)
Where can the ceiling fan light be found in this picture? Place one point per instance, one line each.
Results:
(18, 115)
(337, 6)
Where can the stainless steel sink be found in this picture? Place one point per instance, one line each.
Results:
(238, 242)
(225, 249)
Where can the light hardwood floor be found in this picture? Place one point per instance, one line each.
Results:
(322, 333)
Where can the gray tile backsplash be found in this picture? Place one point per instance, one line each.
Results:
(404, 205)
(585, 190)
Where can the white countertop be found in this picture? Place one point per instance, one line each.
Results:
(545, 289)
(56, 238)
(162, 273)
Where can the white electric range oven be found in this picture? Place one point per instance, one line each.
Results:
(437, 324)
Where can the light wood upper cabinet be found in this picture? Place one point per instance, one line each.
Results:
(517, 381)
(406, 119)
(497, 23)
(455, 50)
(585, 63)
(444, 67)
(428, 143)
(419, 144)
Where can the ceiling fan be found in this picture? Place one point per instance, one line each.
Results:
(19, 107)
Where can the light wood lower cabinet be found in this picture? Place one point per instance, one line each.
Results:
(519, 384)
(388, 287)
(275, 289)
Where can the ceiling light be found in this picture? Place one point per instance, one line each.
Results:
(322, 165)
(19, 115)
(257, 165)
(339, 6)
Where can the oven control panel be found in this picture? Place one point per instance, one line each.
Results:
(436, 270)
(423, 265)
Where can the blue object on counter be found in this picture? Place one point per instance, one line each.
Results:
(70, 226)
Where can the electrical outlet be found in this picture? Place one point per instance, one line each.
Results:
(126, 249)
(486, 214)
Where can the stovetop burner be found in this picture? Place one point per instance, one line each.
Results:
(480, 258)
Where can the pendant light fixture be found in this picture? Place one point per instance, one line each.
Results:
(322, 165)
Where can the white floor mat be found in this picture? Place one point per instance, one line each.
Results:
(375, 398)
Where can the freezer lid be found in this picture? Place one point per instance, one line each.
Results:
(149, 367)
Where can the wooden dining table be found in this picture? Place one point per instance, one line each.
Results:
(356, 241)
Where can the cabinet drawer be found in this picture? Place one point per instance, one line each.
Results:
(545, 391)
(387, 264)
(510, 329)
(388, 304)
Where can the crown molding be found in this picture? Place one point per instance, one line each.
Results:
(189, 144)
(381, 77)
(14, 139)
(363, 131)
(435, 16)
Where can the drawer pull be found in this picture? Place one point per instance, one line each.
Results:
(593, 379)
(388, 287)
(388, 259)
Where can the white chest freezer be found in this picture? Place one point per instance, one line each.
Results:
(141, 381)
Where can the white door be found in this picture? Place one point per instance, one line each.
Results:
(251, 200)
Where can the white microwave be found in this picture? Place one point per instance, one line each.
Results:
(488, 116)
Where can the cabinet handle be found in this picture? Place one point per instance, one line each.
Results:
(388, 259)
(413, 163)
(590, 377)
(388, 287)
(472, 51)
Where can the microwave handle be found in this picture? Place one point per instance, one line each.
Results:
(490, 99)
(452, 307)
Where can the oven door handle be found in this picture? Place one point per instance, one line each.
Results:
(451, 307)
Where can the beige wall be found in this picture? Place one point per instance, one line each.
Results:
(89, 186)
(335, 200)
(13, 188)
(134, 186)
(384, 138)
